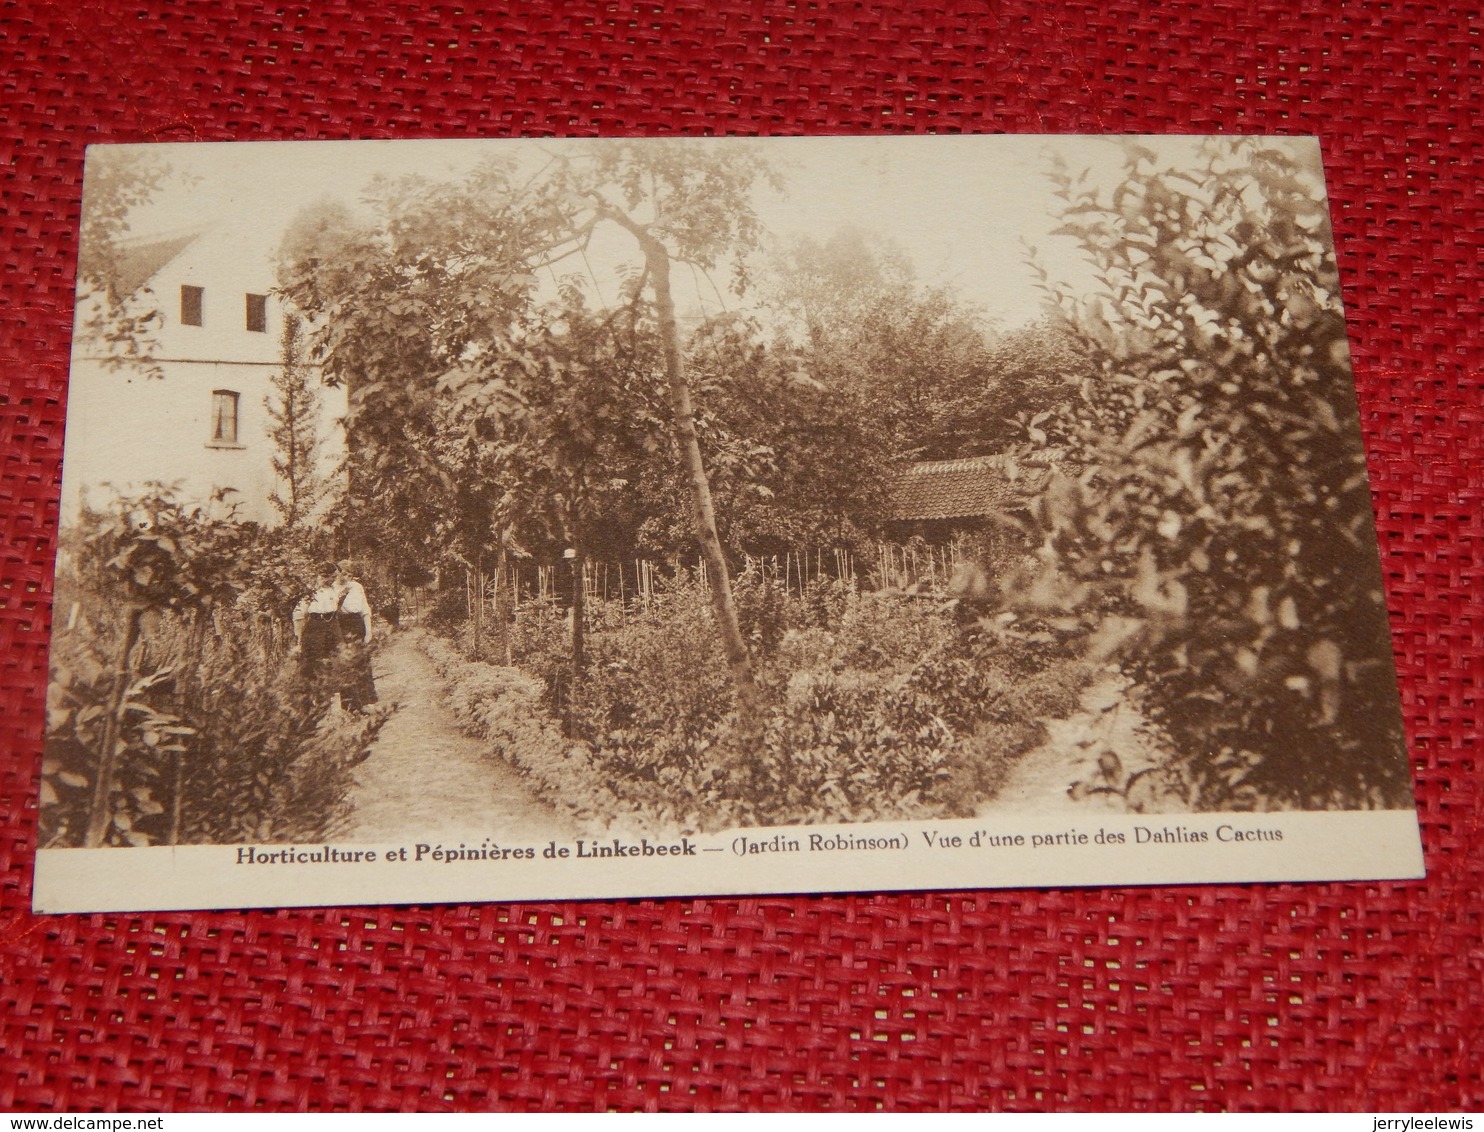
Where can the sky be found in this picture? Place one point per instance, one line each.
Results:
(965, 209)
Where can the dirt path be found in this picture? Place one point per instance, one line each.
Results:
(1107, 720)
(425, 778)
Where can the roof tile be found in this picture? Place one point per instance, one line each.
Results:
(965, 489)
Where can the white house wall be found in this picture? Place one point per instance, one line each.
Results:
(126, 429)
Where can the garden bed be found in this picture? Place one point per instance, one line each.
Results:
(876, 707)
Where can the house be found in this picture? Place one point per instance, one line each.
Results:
(183, 401)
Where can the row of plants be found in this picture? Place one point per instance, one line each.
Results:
(176, 714)
(875, 707)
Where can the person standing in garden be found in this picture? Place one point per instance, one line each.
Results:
(317, 626)
(354, 613)
(333, 629)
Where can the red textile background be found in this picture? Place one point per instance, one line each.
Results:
(1336, 996)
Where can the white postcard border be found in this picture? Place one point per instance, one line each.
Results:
(1023, 851)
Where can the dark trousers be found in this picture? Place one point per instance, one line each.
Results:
(357, 686)
(332, 658)
(317, 644)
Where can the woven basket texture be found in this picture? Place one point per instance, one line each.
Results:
(1297, 997)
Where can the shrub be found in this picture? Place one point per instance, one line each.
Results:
(878, 708)
(764, 611)
(450, 609)
(540, 641)
(1221, 532)
(504, 707)
(173, 713)
(876, 633)
(928, 725)
(843, 747)
(219, 744)
(656, 687)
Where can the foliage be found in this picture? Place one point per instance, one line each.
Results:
(395, 302)
(877, 708)
(872, 358)
(220, 743)
(635, 706)
(155, 552)
(1221, 533)
(850, 370)
(480, 410)
(692, 205)
(485, 418)
(281, 566)
(900, 712)
(120, 327)
(449, 610)
(908, 371)
(692, 197)
(792, 461)
(1024, 372)
(79, 711)
(561, 420)
(504, 707)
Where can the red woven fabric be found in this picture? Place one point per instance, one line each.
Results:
(1335, 996)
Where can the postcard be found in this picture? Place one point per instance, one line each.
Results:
(553, 519)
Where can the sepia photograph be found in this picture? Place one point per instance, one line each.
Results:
(557, 518)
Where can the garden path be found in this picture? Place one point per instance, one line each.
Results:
(1107, 718)
(425, 778)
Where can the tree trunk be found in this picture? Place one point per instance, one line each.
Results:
(478, 609)
(191, 686)
(579, 600)
(100, 813)
(749, 704)
(502, 609)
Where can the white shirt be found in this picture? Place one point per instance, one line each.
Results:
(326, 599)
(336, 598)
(355, 600)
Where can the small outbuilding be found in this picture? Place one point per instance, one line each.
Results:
(939, 500)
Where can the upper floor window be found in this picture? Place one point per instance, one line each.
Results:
(191, 304)
(257, 313)
(224, 416)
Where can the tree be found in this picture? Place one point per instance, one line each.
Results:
(1222, 528)
(294, 416)
(898, 355)
(1025, 371)
(562, 419)
(430, 315)
(690, 204)
(113, 317)
(792, 461)
(435, 274)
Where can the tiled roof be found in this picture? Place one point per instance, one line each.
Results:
(135, 264)
(965, 489)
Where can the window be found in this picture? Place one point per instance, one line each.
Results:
(191, 305)
(257, 313)
(224, 417)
